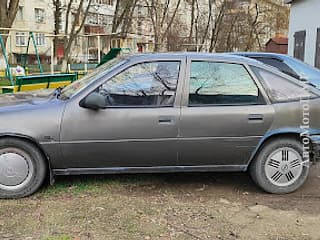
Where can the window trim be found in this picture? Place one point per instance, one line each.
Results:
(246, 68)
(179, 80)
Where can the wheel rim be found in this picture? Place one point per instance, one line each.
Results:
(16, 169)
(284, 166)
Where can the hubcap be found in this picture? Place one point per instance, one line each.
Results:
(16, 169)
(284, 166)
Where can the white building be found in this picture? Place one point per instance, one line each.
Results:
(36, 16)
(304, 31)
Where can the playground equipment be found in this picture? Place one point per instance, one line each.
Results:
(33, 82)
(25, 56)
(29, 83)
(4, 53)
(113, 53)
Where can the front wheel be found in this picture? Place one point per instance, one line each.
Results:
(280, 166)
(22, 168)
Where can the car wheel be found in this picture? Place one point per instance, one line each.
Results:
(22, 168)
(280, 166)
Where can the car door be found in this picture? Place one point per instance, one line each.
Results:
(138, 127)
(224, 116)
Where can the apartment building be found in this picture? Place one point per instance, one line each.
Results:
(37, 16)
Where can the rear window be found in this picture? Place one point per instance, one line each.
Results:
(280, 89)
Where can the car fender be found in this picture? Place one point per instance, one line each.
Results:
(37, 144)
(284, 131)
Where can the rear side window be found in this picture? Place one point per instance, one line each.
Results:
(213, 83)
(281, 89)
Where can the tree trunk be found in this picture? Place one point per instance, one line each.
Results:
(8, 12)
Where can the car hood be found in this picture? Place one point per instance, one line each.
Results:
(26, 98)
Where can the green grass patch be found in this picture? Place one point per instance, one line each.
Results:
(97, 183)
(4, 82)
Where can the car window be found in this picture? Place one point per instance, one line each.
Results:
(77, 86)
(214, 83)
(279, 65)
(144, 84)
(281, 89)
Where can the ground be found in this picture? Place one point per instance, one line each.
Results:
(163, 206)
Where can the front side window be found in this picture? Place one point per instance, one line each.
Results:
(213, 83)
(280, 89)
(144, 84)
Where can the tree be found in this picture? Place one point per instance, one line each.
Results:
(122, 18)
(8, 12)
(74, 14)
(162, 19)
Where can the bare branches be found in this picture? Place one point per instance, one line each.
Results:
(161, 19)
(123, 15)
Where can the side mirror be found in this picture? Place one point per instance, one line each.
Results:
(93, 101)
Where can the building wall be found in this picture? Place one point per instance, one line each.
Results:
(26, 19)
(305, 16)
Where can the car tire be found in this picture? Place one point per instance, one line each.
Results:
(280, 166)
(22, 168)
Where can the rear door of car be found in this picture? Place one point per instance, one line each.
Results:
(225, 113)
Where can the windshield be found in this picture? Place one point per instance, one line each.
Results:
(78, 85)
(303, 69)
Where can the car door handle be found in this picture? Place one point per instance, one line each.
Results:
(255, 117)
(165, 120)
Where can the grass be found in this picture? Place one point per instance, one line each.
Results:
(4, 82)
(96, 183)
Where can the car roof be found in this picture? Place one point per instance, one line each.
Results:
(213, 56)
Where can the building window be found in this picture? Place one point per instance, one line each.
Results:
(93, 19)
(20, 13)
(106, 2)
(21, 39)
(299, 45)
(317, 60)
(39, 15)
(40, 39)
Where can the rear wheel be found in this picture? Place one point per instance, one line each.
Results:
(280, 166)
(22, 168)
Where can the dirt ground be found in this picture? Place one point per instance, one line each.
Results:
(163, 206)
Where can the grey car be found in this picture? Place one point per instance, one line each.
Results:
(154, 113)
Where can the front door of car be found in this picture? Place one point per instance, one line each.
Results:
(224, 117)
(138, 126)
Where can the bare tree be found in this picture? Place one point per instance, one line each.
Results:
(122, 18)
(75, 14)
(162, 19)
(8, 12)
(217, 25)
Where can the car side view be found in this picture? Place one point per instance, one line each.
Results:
(169, 112)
